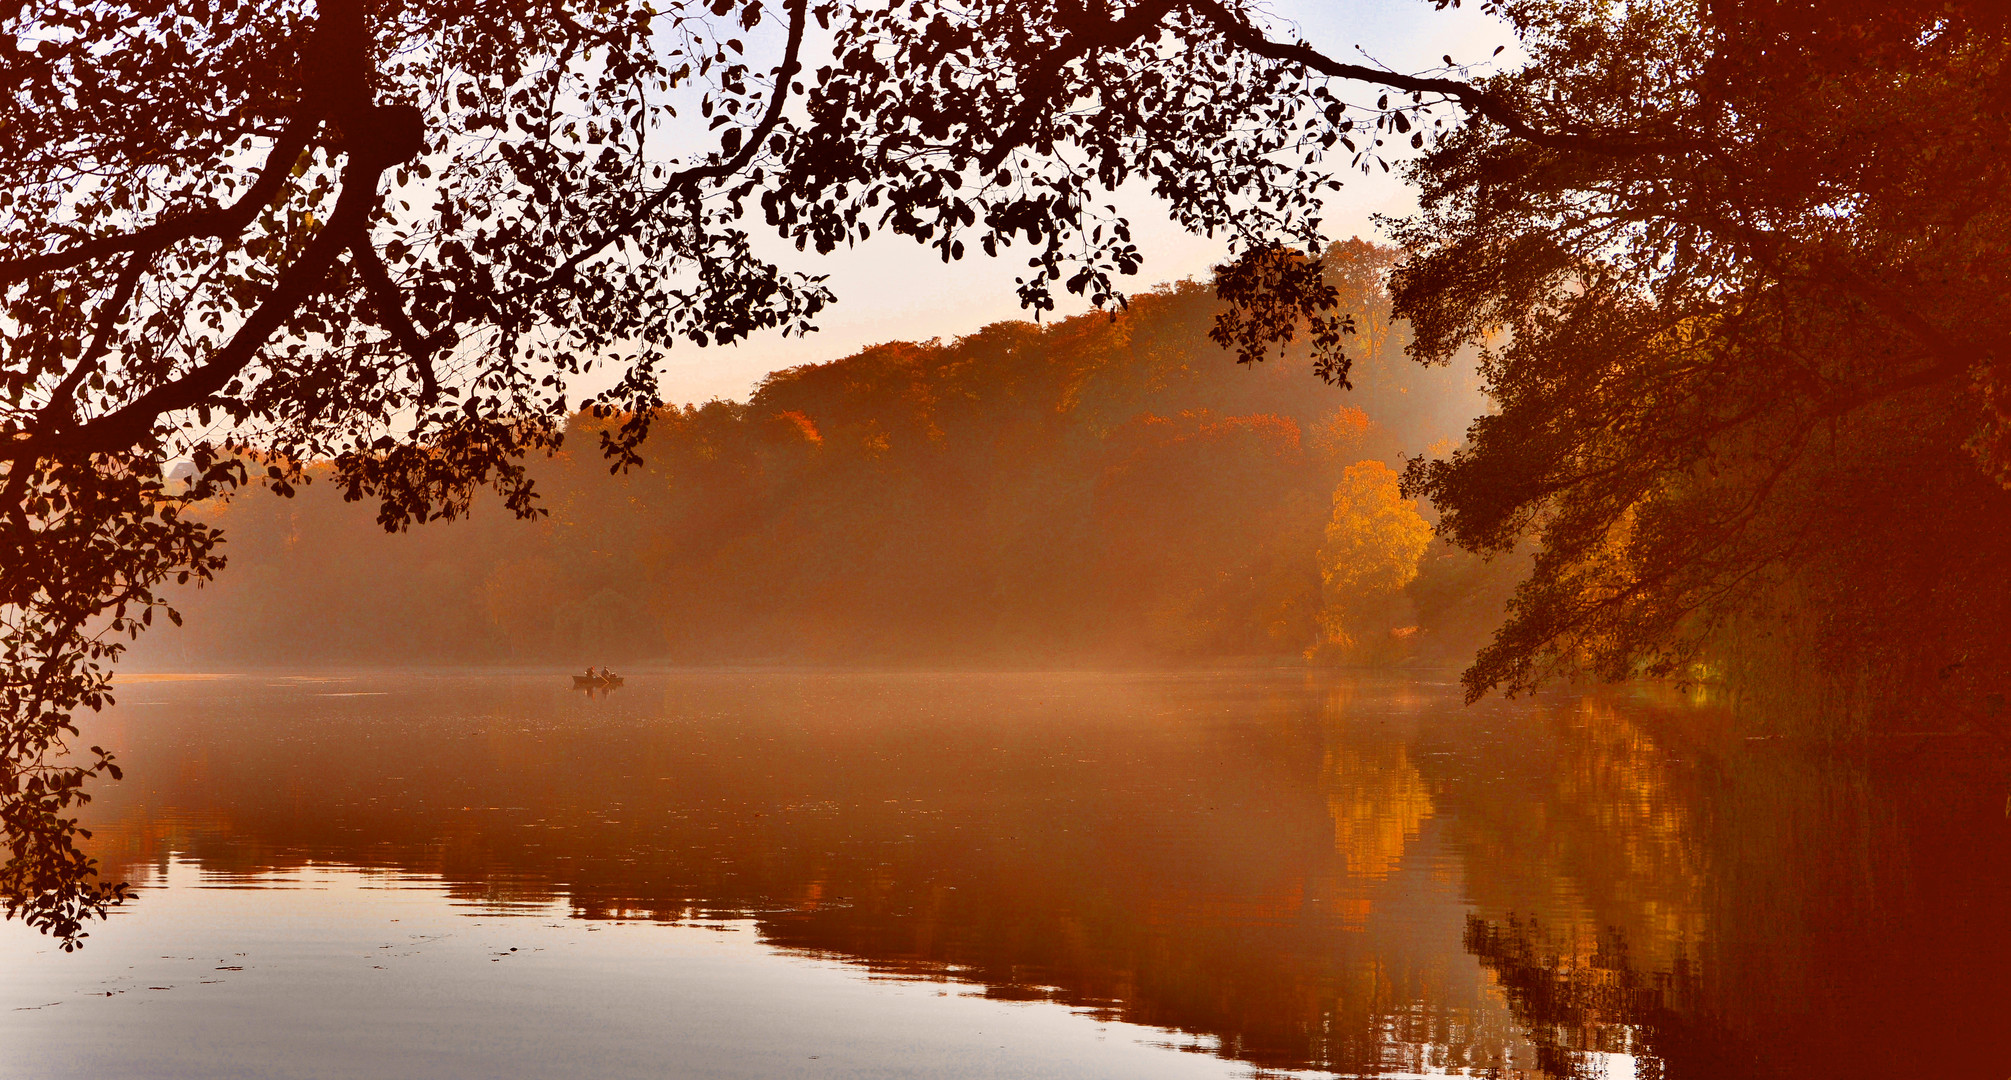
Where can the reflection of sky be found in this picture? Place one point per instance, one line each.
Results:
(340, 972)
(893, 289)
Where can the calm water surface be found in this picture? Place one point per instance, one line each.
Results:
(731, 874)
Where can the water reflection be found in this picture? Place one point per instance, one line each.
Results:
(1355, 876)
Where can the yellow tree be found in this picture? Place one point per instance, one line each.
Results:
(1371, 551)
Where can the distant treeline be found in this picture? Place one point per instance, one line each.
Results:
(1095, 490)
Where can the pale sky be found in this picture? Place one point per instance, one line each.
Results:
(894, 289)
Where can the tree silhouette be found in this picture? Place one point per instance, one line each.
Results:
(1747, 361)
(256, 236)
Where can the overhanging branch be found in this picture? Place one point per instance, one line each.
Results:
(132, 423)
(687, 180)
(218, 221)
(384, 296)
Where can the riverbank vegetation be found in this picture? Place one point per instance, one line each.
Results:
(1101, 489)
(1751, 355)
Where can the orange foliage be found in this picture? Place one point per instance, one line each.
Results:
(1100, 488)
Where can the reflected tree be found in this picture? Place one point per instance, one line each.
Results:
(1574, 1006)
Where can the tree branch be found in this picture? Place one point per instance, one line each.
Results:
(335, 83)
(1041, 83)
(123, 427)
(384, 296)
(1487, 104)
(61, 407)
(689, 178)
(216, 221)
(1146, 17)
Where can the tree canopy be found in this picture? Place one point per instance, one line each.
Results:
(1749, 351)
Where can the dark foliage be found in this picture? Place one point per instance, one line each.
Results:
(1749, 344)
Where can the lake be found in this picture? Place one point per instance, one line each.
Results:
(1192, 874)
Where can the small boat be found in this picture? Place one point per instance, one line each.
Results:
(586, 682)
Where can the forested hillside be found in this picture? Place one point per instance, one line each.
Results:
(1098, 489)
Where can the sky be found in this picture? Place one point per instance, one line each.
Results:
(893, 289)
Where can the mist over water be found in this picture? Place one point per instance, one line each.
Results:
(725, 873)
